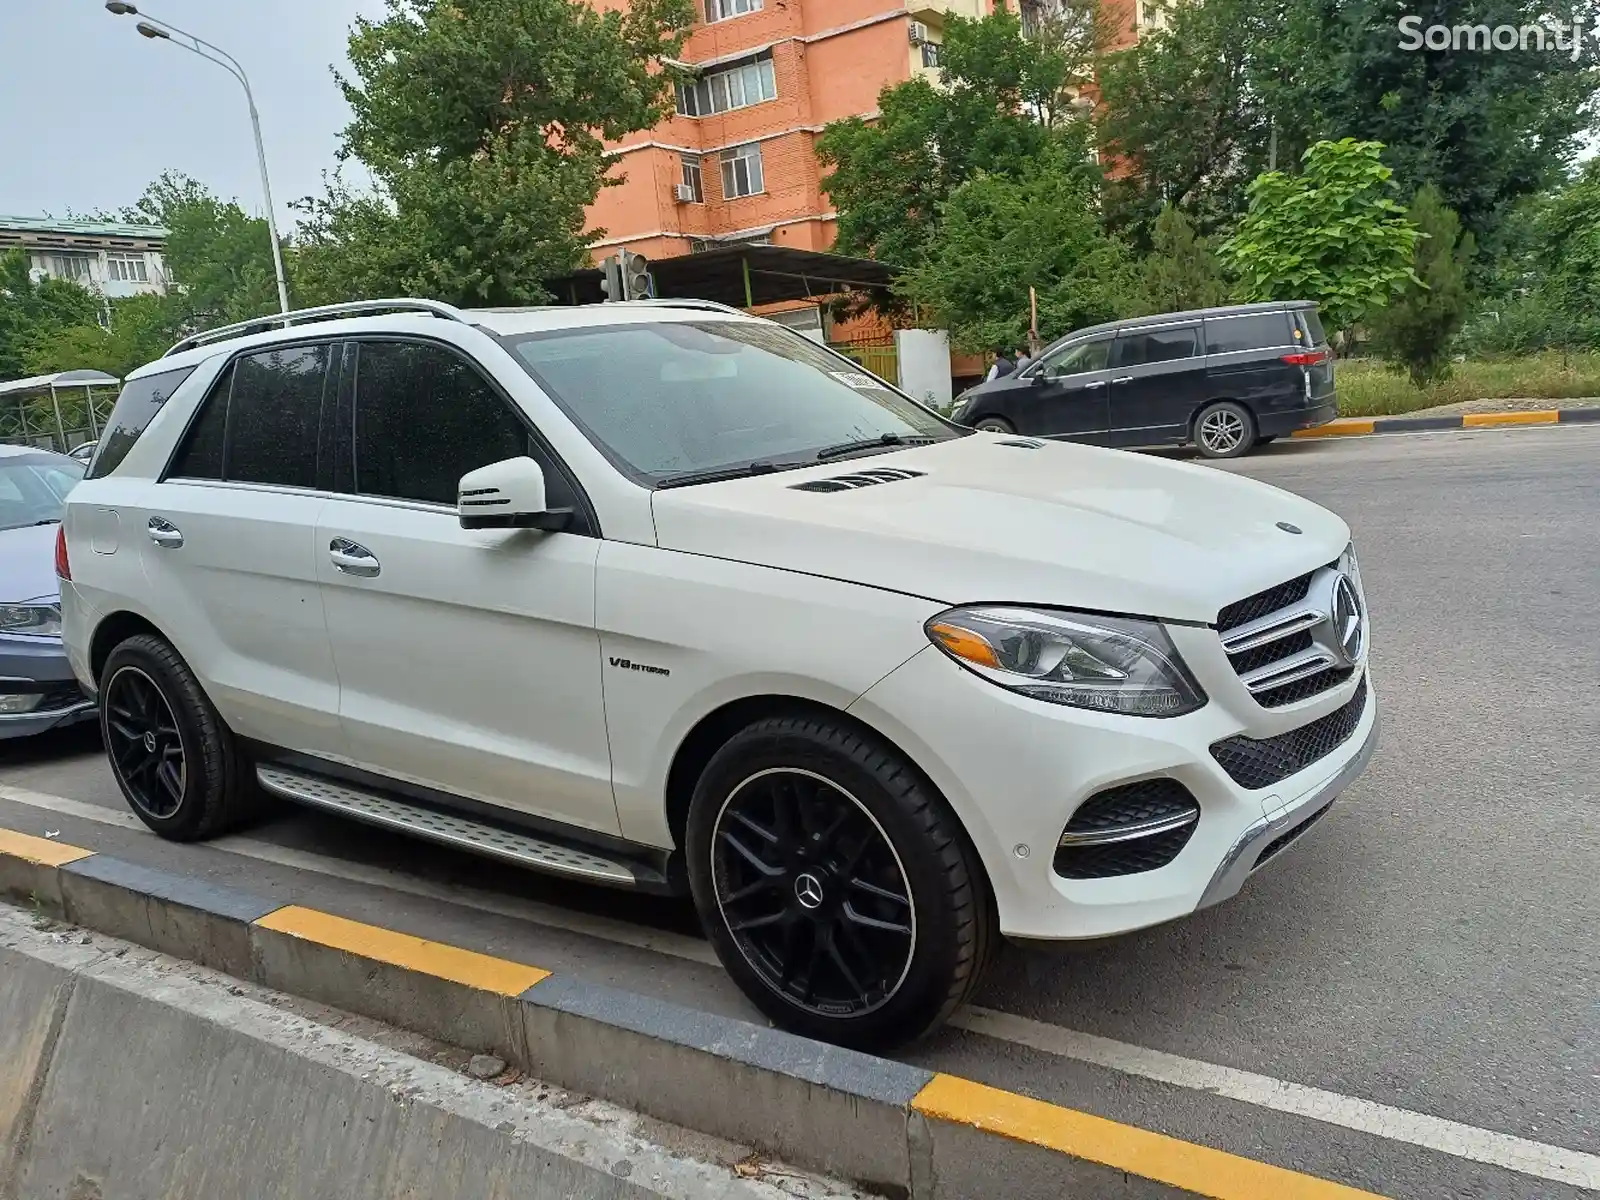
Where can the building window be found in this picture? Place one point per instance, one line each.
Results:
(127, 268)
(691, 177)
(741, 171)
(736, 87)
(71, 266)
(721, 10)
(930, 54)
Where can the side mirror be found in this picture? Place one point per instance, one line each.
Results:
(508, 495)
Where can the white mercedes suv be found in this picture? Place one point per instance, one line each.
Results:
(664, 596)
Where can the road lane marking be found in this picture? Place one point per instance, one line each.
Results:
(1537, 1159)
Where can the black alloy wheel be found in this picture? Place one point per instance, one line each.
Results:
(144, 743)
(813, 893)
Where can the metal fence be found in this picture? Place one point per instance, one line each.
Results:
(55, 414)
(876, 354)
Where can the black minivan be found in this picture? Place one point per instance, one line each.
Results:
(1226, 379)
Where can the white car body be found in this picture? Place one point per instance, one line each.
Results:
(559, 677)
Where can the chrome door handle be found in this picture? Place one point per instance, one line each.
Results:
(353, 558)
(1098, 383)
(164, 533)
(1124, 379)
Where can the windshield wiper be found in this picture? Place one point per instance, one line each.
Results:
(742, 470)
(872, 443)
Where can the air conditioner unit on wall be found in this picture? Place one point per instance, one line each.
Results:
(684, 193)
(919, 33)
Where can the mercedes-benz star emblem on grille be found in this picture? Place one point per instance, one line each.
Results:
(808, 890)
(1347, 619)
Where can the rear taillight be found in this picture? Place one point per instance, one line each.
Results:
(63, 567)
(1308, 358)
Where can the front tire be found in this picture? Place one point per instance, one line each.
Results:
(995, 425)
(1224, 430)
(176, 762)
(837, 888)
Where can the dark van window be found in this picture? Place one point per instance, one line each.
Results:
(1308, 327)
(1259, 331)
(200, 455)
(135, 408)
(1140, 346)
(273, 415)
(1073, 360)
(425, 417)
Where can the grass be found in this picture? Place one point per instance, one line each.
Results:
(1368, 389)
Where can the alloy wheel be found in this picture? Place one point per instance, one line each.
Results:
(143, 742)
(813, 893)
(1222, 431)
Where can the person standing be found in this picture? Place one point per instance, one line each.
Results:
(1003, 365)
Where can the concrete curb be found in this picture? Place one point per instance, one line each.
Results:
(894, 1128)
(1364, 426)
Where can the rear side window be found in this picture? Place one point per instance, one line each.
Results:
(425, 417)
(138, 404)
(1308, 327)
(200, 455)
(1140, 346)
(1259, 331)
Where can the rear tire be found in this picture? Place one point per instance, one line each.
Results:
(1224, 430)
(837, 887)
(995, 425)
(177, 763)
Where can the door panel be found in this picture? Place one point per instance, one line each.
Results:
(234, 579)
(1067, 393)
(1157, 379)
(468, 660)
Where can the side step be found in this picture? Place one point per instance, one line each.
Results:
(450, 829)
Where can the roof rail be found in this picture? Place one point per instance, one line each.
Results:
(322, 313)
(687, 302)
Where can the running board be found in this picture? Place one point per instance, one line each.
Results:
(448, 829)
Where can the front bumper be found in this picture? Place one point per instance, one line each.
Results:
(1016, 770)
(38, 667)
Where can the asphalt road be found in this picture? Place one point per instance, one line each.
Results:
(1418, 980)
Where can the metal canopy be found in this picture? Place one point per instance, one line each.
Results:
(45, 383)
(742, 276)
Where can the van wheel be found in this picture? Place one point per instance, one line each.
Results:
(837, 888)
(1224, 430)
(995, 425)
(175, 761)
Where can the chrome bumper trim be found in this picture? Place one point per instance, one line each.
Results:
(1240, 859)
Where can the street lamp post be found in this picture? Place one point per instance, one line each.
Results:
(155, 28)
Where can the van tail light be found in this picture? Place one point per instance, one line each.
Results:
(63, 567)
(1306, 359)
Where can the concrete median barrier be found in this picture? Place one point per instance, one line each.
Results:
(896, 1129)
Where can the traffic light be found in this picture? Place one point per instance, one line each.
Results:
(611, 283)
(635, 276)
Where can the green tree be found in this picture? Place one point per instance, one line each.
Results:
(1330, 234)
(1568, 252)
(1004, 104)
(139, 329)
(1414, 330)
(1180, 272)
(31, 310)
(997, 236)
(483, 123)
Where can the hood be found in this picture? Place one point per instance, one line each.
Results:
(985, 520)
(28, 564)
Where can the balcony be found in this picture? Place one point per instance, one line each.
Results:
(935, 11)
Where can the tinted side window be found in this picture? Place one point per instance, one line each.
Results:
(273, 416)
(135, 408)
(1085, 356)
(1257, 332)
(200, 455)
(1155, 345)
(1308, 327)
(425, 417)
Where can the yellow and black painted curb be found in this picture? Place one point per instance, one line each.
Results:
(889, 1125)
(1363, 426)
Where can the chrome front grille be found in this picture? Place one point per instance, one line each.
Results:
(1282, 642)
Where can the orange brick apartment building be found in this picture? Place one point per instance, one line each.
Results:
(736, 162)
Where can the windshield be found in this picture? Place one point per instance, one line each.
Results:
(689, 397)
(33, 489)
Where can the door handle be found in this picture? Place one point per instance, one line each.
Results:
(353, 558)
(1123, 379)
(164, 533)
(1097, 383)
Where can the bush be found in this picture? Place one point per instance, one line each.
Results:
(1413, 331)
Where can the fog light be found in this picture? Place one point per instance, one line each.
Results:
(11, 702)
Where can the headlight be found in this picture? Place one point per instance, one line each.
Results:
(1110, 664)
(42, 620)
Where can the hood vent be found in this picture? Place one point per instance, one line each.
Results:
(1022, 443)
(857, 479)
